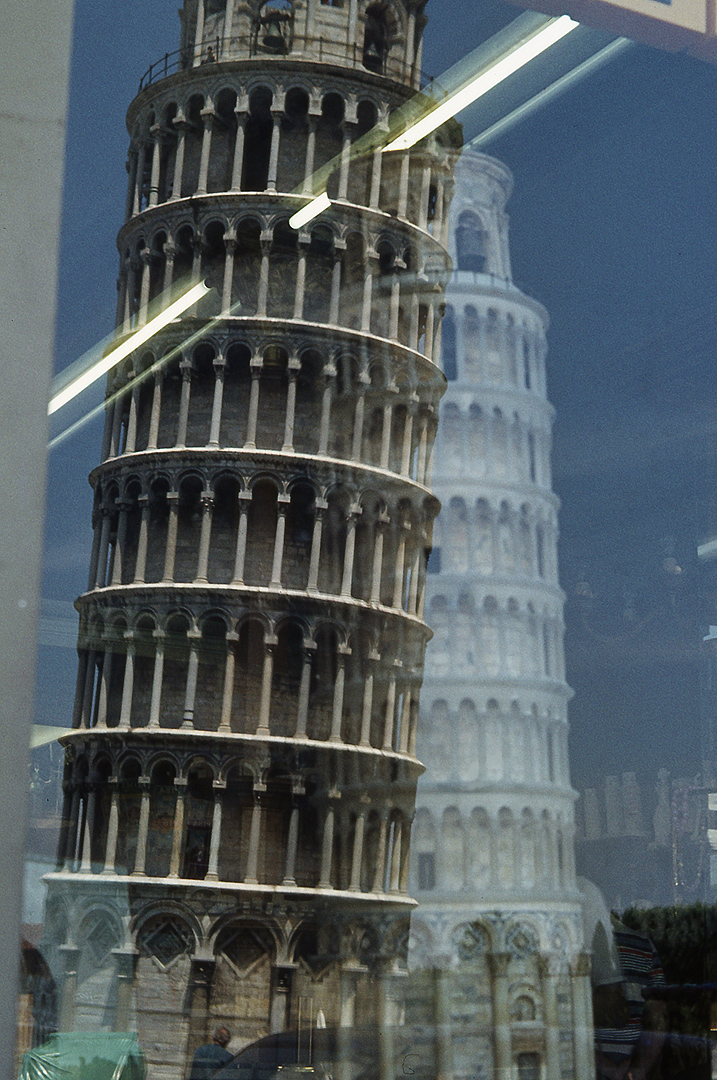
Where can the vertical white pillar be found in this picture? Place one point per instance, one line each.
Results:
(367, 705)
(390, 713)
(156, 133)
(338, 703)
(128, 682)
(220, 366)
(180, 784)
(170, 550)
(182, 420)
(157, 677)
(240, 551)
(302, 718)
(276, 114)
(140, 566)
(327, 842)
(329, 376)
(212, 874)
(310, 150)
(190, 696)
(256, 366)
(357, 853)
(156, 409)
(229, 249)
(294, 369)
(304, 241)
(86, 864)
(207, 115)
(228, 693)
(207, 502)
(321, 506)
(250, 878)
(501, 1015)
(349, 550)
(270, 643)
(180, 124)
(238, 162)
(143, 830)
(380, 864)
(282, 505)
(112, 828)
(198, 34)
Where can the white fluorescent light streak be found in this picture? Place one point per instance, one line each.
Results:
(550, 93)
(102, 366)
(496, 73)
(310, 211)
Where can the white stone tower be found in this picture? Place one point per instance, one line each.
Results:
(498, 930)
(241, 774)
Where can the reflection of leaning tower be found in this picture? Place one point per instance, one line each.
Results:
(241, 774)
(492, 859)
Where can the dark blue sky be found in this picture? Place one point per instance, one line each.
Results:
(614, 229)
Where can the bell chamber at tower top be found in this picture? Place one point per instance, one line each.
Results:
(379, 36)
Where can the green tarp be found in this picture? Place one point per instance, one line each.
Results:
(86, 1055)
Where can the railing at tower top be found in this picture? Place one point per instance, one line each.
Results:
(221, 50)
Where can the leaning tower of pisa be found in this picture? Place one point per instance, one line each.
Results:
(241, 772)
(492, 859)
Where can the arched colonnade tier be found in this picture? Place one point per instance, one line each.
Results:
(268, 528)
(304, 678)
(232, 391)
(470, 745)
(520, 852)
(364, 272)
(153, 957)
(380, 38)
(301, 820)
(534, 1007)
(496, 440)
(497, 637)
(514, 537)
(243, 130)
(493, 337)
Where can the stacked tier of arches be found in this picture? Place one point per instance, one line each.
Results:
(484, 851)
(223, 527)
(494, 342)
(492, 637)
(492, 539)
(309, 678)
(535, 997)
(159, 961)
(228, 133)
(316, 399)
(488, 443)
(362, 275)
(196, 816)
(473, 743)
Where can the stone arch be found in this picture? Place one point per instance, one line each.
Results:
(294, 137)
(282, 270)
(249, 666)
(471, 242)
(319, 272)
(257, 140)
(309, 385)
(247, 264)
(449, 359)
(424, 850)
(452, 851)
(472, 341)
(479, 864)
(261, 531)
